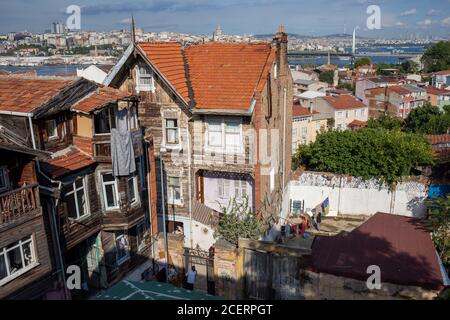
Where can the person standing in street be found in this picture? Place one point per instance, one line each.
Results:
(318, 220)
(191, 275)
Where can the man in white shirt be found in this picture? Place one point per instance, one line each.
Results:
(191, 275)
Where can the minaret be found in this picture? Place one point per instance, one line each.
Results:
(329, 60)
(354, 41)
(133, 30)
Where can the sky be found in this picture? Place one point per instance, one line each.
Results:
(399, 18)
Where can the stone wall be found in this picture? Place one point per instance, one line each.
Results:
(320, 286)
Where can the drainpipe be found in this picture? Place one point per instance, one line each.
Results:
(190, 187)
(53, 225)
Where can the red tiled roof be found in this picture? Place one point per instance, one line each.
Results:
(399, 90)
(438, 138)
(437, 91)
(442, 73)
(167, 57)
(357, 124)
(99, 98)
(299, 111)
(225, 75)
(27, 94)
(72, 161)
(399, 245)
(343, 102)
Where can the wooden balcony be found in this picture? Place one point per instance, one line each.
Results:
(101, 145)
(18, 204)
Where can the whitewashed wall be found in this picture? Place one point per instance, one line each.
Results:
(353, 196)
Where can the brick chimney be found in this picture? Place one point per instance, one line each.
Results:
(280, 41)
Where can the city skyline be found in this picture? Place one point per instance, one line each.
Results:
(398, 19)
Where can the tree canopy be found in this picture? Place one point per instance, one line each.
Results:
(362, 62)
(437, 57)
(326, 76)
(239, 221)
(385, 121)
(368, 153)
(428, 119)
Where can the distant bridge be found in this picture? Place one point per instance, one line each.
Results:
(293, 55)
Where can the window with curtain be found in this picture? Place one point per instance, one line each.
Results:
(16, 259)
(172, 131)
(173, 189)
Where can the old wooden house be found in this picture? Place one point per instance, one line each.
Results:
(25, 261)
(220, 117)
(95, 182)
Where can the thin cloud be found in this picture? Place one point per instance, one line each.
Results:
(407, 13)
(446, 22)
(432, 12)
(425, 23)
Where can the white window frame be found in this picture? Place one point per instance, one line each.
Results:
(120, 261)
(223, 188)
(272, 179)
(133, 116)
(170, 199)
(20, 243)
(149, 75)
(4, 174)
(74, 191)
(116, 189)
(232, 148)
(135, 186)
(177, 128)
(54, 134)
(223, 148)
(141, 244)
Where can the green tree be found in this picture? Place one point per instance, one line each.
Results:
(437, 57)
(327, 76)
(238, 221)
(409, 66)
(382, 69)
(385, 121)
(362, 62)
(428, 119)
(367, 153)
(345, 85)
(439, 223)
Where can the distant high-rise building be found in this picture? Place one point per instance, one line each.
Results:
(58, 28)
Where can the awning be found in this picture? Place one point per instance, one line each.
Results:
(151, 290)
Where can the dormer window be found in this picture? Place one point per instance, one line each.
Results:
(144, 78)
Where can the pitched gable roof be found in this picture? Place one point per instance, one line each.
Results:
(344, 102)
(167, 57)
(225, 75)
(220, 75)
(99, 98)
(24, 94)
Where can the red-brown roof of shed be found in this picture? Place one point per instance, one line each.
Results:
(399, 245)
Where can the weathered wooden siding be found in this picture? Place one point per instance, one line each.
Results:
(33, 227)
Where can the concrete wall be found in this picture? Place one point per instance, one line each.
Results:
(353, 196)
